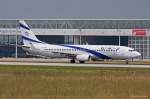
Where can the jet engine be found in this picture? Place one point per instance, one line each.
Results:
(83, 57)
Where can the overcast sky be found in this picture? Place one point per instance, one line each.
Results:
(78, 9)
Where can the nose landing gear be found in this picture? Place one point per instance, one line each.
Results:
(72, 61)
(127, 62)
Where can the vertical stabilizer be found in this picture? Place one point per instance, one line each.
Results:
(27, 35)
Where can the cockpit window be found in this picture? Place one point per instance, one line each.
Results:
(131, 50)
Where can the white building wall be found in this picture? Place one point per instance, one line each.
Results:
(87, 32)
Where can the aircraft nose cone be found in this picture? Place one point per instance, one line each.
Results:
(138, 54)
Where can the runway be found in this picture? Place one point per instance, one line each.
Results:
(74, 65)
(65, 62)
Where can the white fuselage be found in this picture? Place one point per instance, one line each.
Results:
(94, 51)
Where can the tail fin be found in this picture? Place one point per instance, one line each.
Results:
(27, 35)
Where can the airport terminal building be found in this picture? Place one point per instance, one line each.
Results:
(133, 33)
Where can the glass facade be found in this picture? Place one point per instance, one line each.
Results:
(79, 24)
(7, 46)
(141, 44)
(7, 42)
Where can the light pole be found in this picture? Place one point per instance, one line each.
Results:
(119, 38)
(119, 31)
(16, 55)
(80, 36)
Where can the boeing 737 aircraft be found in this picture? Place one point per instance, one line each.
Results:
(32, 45)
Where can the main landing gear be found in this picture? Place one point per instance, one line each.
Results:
(73, 61)
(81, 61)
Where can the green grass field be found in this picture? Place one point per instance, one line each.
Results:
(42, 82)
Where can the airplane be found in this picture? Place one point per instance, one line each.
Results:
(32, 45)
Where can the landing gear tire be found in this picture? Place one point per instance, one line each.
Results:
(72, 61)
(127, 62)
(81, 61)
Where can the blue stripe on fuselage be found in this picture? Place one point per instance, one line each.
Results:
(23, 26)
(23, 37)
(97, 54)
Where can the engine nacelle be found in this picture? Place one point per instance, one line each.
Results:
(83, 57)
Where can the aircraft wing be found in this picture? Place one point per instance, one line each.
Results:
(22, 46)
(66, 54)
